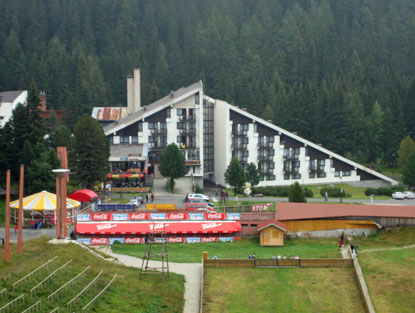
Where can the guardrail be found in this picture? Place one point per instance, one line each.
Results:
(99, 294)
(56, 292)
(34, 308)
(55, 310)
(3, 293)
(48, 277)
(69, 304)
(12, 304)
(43, 266)
(278, 263)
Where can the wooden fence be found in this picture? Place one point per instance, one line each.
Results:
(278, 263)
(36, 271)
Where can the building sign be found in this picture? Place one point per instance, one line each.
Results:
(260, 207)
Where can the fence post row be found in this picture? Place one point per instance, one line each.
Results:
(99, 294)
(35, 271)
(12, 303)
(69, 304)
(3, 293)
(34, 308)
(53, 294)
(48, 277)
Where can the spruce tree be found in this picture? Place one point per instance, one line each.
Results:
(296, 193)
(235, 175)
(172, 164)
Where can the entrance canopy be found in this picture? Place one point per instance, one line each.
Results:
(42, 201)
(83, 195)
(206, 227)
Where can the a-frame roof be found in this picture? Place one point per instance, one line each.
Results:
(154, 107)
(275, 223)
(313, 145)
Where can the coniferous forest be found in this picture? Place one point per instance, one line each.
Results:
(337, 72)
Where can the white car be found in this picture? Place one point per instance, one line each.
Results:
(398, 195)
(409, 195)
(197, 196)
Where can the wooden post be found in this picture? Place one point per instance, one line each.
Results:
(64, 208)
(7, 230)
(20, 215)
(57, 211)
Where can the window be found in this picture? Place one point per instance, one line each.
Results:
(134, 139)
(152, 139)
(286, 176)
(271, 152)
(322, 162)
(297, 151)
(271, 165)
(285, 153)
(163, 125)
(346, 173)
(244, 127)
(261, 178)
(180, 112)
(296, 163)
(245, 140)
(111, 139)
(271, 139)
(321, 174)
(312, 175)
(140, 127)
(163, 141)
(124, 139)
(197, 100)
(152, 125)
(244, 225)
(168, 113)
(181, 125)
(245, 153)
(271, 177)
(297, 176)
(337, 173)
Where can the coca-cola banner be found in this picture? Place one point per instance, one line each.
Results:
(192, 239)
(176, 239)
(82, 217)
(100, 241)
(119, 216)
(120, 240)
(100, 216)
(177, 216)
(85, 241)
(138, 216)
(134, 240)
(196, 216)
(158, 216)
(215, 216)
(226, 239)
(260, 207)
(233, 216)
(208, 239)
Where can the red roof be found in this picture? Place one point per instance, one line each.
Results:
(205, 227)
(303, 211)
(275, 223)
(83, 195)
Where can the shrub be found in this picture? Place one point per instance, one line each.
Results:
(199, 189)
(383, 191)
(333, 192)
(278, 191)
(296, 193)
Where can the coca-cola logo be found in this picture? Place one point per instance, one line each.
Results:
(158, 226)
(208, 239)
(138, 216)
(176, 239)
(100, 217)
(211, 225)
(99, 241)
(176, 216)
(132, 240)
(106, 226)
(214, 215)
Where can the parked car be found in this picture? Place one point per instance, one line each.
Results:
(409, 195)
(194, 204)
(398, 195)
(137, 201)
(196, 196)
(204, 210)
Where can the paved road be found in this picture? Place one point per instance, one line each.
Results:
(29, 234)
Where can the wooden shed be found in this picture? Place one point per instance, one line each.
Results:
(272, 233)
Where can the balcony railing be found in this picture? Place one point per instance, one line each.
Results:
(237, 132)
(160, 132)
(185, 118)
(316, 169)
(187, 131)
(292, 170)
(266, 171)
(239, 146)
(291, 156)
(243, 159)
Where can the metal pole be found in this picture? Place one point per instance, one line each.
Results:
(20, 215)
(57, 217)
(341, 188)
(7, 230)
(64, 208)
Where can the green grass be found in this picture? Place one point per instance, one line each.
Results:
(127, 294)
(390, 276)
(240, 249)
(394, 237)
(355, 192)
(281, 290)
(2, 211)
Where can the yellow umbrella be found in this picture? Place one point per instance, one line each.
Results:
(43, 201)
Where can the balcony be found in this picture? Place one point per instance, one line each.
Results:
(239, 146)
(243, 159)
(291, 156)
(159, 132)
(239, 133)
(266, 171)
(291, 170)
(187, 118)
(316, 169)
(157, 146)
(187, 131)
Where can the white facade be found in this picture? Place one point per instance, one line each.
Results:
(8, 102)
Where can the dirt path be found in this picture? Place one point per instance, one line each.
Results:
(191, 271)
(383, 249)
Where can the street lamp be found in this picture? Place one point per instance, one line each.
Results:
(60, 201)
(341, 186)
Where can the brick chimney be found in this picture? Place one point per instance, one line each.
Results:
(42, 96)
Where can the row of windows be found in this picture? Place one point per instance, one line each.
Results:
(267, 177)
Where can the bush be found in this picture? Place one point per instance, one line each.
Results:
(199, 189)
(383, 191)
(278, 191)
(296, 193)
(333, 192)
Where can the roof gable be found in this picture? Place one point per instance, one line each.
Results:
(274, 223)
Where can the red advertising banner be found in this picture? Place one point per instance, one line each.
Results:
(177, 216)
(260, 207)
(215, 216)
(176, 239)
(134, 240)
(138, 216)
(100, 241)
(101, 216)
(208, 239)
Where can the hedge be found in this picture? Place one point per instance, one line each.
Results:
(383, 191)
(333, 192)
(278, 191)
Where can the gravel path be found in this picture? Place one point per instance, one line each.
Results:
(191, 271)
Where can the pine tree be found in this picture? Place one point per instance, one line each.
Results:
(172, 164)
(296, 193)
(408, 171)
(235, 175)
(406, 150)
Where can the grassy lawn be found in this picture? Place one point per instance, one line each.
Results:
(240, 249)
(395, 237)
(281, 290)
(126, 294)
(390, 276)
(2, 210)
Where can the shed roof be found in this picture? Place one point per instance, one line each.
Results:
(304, 211)
(275, 223)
